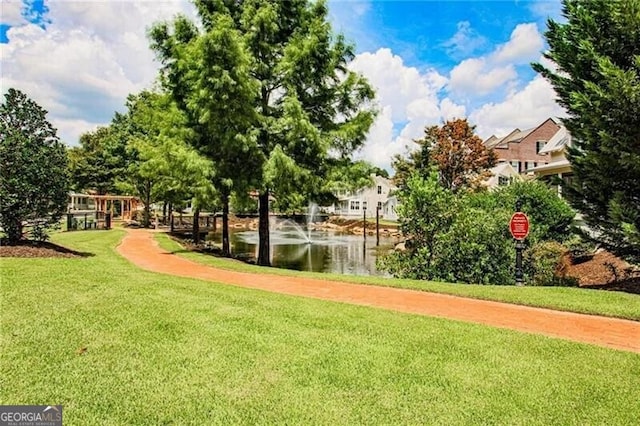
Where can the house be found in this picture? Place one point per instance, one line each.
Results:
(389, 208)
(121, 206)
(77, 202)
(522, 148)
(366, 201)
(557, 165)
(501, 175)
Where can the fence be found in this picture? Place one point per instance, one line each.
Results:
(88, 220)
(206, 222)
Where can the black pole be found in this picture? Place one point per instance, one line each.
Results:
(519, 248)
(377, 226)
(364, 222)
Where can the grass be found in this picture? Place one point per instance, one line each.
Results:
(596, 302)
(117, 345)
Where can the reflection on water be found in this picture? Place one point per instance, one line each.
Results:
(327, 251)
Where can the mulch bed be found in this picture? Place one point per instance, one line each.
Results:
(607, 272)
(31, 249)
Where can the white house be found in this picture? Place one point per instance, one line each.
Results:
(367, 200)
(558, 165)
(501, 175)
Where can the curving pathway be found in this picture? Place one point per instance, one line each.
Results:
(139, 247)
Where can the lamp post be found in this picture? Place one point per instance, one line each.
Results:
(519, 228)
(364, 222)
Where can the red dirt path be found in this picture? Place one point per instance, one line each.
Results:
(140, 248)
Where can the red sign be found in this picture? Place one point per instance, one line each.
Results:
(519, 226)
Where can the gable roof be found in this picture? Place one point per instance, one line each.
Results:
(516, 135)
(557, 142)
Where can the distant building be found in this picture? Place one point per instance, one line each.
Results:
(502, 175)
(120, 206)
(377, 196)
(539, 151)
(558, 168)
(522, 148)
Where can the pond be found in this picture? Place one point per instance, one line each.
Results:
(296, 247)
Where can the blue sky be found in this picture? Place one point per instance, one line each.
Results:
(429, 61)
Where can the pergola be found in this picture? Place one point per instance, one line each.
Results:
(107, 204)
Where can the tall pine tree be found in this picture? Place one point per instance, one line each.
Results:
(597, 51)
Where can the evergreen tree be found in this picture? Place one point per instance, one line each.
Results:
(33, 176)
(597, 52)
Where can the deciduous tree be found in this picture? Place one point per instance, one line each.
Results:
(306, 105)
(459, 154)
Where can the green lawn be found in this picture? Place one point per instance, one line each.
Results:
(166, 350)
(598, 302)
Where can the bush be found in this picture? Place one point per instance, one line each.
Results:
(465, 237)
(476, 249)
(547, 265)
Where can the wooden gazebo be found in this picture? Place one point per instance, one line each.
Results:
(107, 203)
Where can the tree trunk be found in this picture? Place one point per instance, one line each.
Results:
(171, 224)
(164, 213)
(263, 229)
(13, 230)
(196, 225)
(147, 204)
(226, 250)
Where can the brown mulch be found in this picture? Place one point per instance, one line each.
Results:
(607, 272)
(31, 249)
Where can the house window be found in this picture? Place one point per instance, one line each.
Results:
(503, 180)
(364, 205)
(379, 189)
(355, 205)
(516, 165)
(539, 146)
(379, 205)
(529, 165)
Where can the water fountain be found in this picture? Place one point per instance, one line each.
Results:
(303, 246)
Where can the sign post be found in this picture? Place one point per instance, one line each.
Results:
(519, 228)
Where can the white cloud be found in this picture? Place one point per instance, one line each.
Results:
(546, 9)
(483, 75)
(524, 45)
(475, 76)
(91, 56)
(11, 12)
(405, 95)
(464, 42)
(450, 110)
(381, 146)
(523, 109)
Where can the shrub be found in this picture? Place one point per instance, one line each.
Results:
(549, 215)
(464, 237)
(547, 265)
